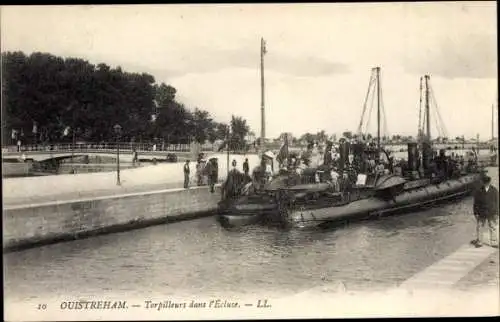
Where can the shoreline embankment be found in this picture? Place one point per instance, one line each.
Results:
(50, 209)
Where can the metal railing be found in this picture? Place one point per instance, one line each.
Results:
(106, 147)
(150, 147)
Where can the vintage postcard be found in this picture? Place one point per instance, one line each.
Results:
(256, 161)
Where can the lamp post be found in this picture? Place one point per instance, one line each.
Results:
(73, 171)
(117, 129)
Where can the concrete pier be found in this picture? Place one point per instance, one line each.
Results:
(41, 210)
(42, 223)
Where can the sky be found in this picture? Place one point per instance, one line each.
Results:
(318, 62)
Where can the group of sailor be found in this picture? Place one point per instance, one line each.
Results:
(454, 165)
(345, 165)
(440, 166)
(340, 174)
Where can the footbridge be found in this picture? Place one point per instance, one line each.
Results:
(108, 151)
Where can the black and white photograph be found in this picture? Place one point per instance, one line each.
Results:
(250, 161)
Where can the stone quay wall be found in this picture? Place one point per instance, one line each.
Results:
(36, 224)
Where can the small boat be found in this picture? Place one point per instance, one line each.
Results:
(313, 199)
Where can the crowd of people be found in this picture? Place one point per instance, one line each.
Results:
(204, 169)
(439, 167)
(343, 166)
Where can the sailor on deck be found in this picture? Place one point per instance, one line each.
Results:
(233, 184)
(234, 164)
(334, 176)
(268, 172)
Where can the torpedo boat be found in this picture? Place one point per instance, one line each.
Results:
(364, 182)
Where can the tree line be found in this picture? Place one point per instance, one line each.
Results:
(47, 98)
(322, 136)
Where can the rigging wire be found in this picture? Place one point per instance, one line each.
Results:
(382, 109)
(420, 123)
(436, 122)
(442, 124)
(435, 114)
(365, 102)
(369, 103)
(424, 121)
(370, 111)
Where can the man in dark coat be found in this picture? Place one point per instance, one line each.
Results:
(327, 159)
(207, 171)
(212, 173)
(246, 167)
(486, 212)
(186, 174)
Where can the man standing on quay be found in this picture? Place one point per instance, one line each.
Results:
(186, 174)
(246, 167)
(486, 212)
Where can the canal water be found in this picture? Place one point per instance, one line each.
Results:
(201, 258)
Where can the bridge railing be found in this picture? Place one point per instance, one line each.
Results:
(107, 147)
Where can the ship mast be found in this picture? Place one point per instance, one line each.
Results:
(427, 109)
(374, 89)
(492, 122)
(377, 69)
(424, 127)
(262, 96)
(420, 134)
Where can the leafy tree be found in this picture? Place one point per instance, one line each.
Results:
(308, 137)
(239, 131)
(289, 137)
(202, 125)
(221, 131)
(321, 136)
(164, 94)
(347, 135)
(66, 96)
(396, 137)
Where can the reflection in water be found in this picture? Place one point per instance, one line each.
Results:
(200, 257)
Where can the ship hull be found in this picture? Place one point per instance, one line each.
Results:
(255, 210)
(374, 207)
(247, 211)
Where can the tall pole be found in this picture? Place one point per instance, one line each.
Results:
(420, 114)
(427, 112)
(118, 182)
(262, 94)
(228, 142)
(73, 143)
(492, 121)
(73, 152)
(117, 128)
(378, 107)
